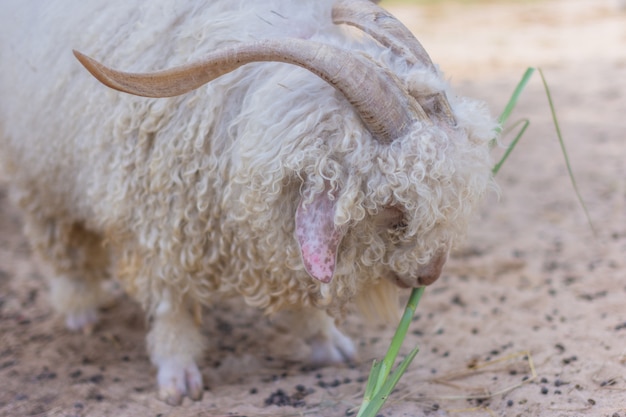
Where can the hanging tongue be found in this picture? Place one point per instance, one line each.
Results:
(318, 237)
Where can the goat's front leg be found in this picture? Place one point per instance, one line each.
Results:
(328, 344)
(175, 343)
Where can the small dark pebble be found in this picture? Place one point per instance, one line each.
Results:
(334, 384)
(544, 390)
(96, 379)
(615, 415)
(620, 326)
(544, 381)
(281, 399)
(435, 407)
(558, 383)
(76, 374)
(126, 358)
(95, 396)
(509, 403)
(227, 348)
(46, 374)
(79, 406)
(38, 409)
(569, 360)
(300, 388)
(569, 280)
(592, 297)
(591, 401)
(557, 392)
(608, 383)
(457, 300)
(559, 347)
(482, 401)
(347, 380)
(253, 391)
(350, 412)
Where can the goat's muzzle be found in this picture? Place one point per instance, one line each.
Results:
(425, 274)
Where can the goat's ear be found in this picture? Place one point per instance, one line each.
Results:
(318, 236)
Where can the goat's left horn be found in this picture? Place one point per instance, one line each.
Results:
(389, 31)
(386, 109)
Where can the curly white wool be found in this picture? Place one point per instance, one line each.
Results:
(195, 195)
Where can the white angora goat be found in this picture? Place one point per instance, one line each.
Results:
(308, 153)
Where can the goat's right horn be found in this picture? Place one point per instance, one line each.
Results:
(389, 31)
(385, 108)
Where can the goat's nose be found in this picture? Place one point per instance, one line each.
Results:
(430, 272)
(426, 274)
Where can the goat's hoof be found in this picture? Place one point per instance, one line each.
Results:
(82, 321)
(336, 348)
(177, 380)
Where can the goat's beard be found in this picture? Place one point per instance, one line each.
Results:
(379, 302)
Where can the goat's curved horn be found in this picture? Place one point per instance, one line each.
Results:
(389, 31)
(384, 106)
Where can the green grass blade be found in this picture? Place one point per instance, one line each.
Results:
(378, 381)
(562, 143)
(525, 123)
(508, 109)
(400, 334)
(381, 396)
(370, 387)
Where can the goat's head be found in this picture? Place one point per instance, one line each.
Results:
(409, 240)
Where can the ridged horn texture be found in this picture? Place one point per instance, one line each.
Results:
(389, 31)
(384, 106)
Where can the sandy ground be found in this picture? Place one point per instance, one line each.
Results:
(529, 318)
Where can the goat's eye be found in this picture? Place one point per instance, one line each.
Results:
(392, 218)
(400, 225)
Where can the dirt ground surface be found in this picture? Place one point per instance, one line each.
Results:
(528, 319)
